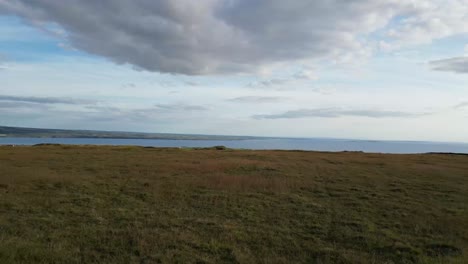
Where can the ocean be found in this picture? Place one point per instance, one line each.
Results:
(373, 146)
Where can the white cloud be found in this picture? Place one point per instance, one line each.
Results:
(423, 21)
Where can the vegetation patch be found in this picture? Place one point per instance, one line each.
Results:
(436, 250)
(109, 204)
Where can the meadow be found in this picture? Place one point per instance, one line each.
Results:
(109, 204)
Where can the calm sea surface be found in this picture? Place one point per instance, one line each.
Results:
(282, 143)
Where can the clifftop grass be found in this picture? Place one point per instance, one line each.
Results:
(89, 204)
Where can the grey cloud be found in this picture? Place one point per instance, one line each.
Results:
(272, 82)
(129, 86)
(257, 99)
(181, 107)
(281, 83)
(156, 109)
(461, 105)
(112, 113)
(98, 114)
(3, 58)
(107, 113)
(305, 75)
(13, 106)
(338, 112)
(15, 111)
(2, 62)
(211, 36)
(163, 83)
(276, 83)
(45, 100)
(457, 65)
(191, 83)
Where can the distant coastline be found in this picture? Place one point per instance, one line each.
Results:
(26, 132)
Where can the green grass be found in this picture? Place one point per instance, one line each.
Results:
(87, 204)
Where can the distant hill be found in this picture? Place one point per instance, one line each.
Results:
(24, 132)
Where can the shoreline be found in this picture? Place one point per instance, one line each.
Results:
(222, 147)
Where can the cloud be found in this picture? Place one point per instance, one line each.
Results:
(305, 75)
(229, 36)
(116, 114)
(423, 21)
(128, 86)
(23, 107)
(284, 83)
(143, 114)
(268, 83)
(338, 112)
(14, 106)
(18, 111)
(67, 109)
(45, 100)
(461, 105)
(3, 59)
(99, 116)
(180, 107)
(191, 83)
(257, 99)
(457, 65)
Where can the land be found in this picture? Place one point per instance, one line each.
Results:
(22, 132)
(89, 204)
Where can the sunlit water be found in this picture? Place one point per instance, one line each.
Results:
(281, 143)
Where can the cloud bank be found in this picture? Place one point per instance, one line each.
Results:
(17, 107)
(45, 100)
(338, 112)
(257, 99)
(461, 105)
(232, 36)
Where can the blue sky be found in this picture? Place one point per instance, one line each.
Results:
(397, 71)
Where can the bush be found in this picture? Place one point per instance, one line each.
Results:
(220, 147)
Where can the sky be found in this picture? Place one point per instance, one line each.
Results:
(358, 69)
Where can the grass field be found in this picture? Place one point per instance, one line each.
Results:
(87, 204)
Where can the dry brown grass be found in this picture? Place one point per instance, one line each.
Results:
(85, 204)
